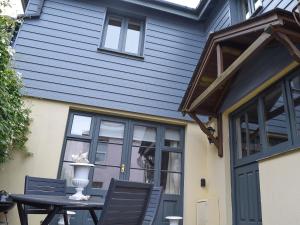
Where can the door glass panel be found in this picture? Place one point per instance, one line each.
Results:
(103, 175)
(111, 132)
(142, 158)
(133, 37)
(241, 128)
(113, 33)
(172, 138)
(75, 148)
(108, 154)
(144, 176)
(81, 125)
(253, 130)
(295, 89)
(67, 173)
(170, 182)
(143, 154)
(171, 161)
(275, 116)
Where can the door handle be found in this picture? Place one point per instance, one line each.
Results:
(123, 168)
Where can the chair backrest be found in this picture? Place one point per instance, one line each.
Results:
(44, 186)
(153, 205)
(125, 203)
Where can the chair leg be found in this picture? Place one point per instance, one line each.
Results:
(66, 221)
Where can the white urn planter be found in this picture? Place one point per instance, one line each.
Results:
(80, 180)
(174, 220)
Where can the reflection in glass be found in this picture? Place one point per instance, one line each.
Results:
(111, 132)
(75, 148)
(142, 158)
(253, 130)
(246, 9)
(241, 128)
(171, 161)
(113, 33)
(103, 175)
(144, 176)
(172, 138)
(81, 125)
(295, 89)
(108, 154)
(170, 182)
(67, 173)
(275, 116)
(257, 4)
(133, 37)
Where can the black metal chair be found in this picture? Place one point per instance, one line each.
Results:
(44, 186)
(153, 206)
(126, 203)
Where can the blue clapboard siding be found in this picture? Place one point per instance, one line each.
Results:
(283, 4)
(58, 57)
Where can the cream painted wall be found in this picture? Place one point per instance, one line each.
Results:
(46, 140)
(280, 189)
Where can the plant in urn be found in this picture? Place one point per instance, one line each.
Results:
(81, 167)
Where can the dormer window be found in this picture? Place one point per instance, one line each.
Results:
(250, 7)
(123, 34)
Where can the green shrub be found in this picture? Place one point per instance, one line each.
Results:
(14, 116)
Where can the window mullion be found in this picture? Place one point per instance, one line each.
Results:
(288, 115)
(123, 34)
(247, 134)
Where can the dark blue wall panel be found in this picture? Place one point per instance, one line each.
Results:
(257, 71)
(58, 57)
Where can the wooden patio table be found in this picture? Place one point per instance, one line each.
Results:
(54, 204)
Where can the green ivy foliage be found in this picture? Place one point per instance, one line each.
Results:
(14, 116)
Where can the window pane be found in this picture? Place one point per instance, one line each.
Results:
(67, 173)
(103, 175)
(75, 148)
(142, 157)
(275, 116)
(144, 176)
(257, 4)
(109, 154)
(246, 9)
(170, 182)
(295, 88)
(241, 128)
(113, 33)
(171, 161)
(81, 125)
(144, 136)
(172, 138)
(253, 129)
(133, 37)
(111, 132)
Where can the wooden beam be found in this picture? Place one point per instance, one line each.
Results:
(220, 61)
(293, 50)
(204, 129)
(222, 95)
(261, 41)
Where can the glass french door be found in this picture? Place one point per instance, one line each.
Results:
(127, 150)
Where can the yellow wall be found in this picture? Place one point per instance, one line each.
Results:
(280, 189)
(46, 140)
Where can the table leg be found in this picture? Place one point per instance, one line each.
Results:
(22, 214)
(94, 216)
(51, 215)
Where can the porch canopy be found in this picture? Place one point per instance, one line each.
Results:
(226, 51)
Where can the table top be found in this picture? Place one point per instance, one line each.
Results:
(51, 200)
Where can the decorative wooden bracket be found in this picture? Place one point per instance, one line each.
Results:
(217, 141)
